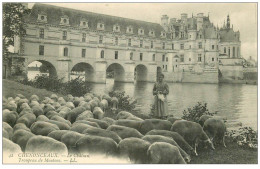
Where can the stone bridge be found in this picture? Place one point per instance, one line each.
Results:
(96, 68)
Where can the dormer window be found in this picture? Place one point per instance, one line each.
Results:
(100, 26)
(64, 20)
(129, 29)
(141, 31)
(151, 33)
(42, 18)
(116, 28)
(163, 34)
(84, 23)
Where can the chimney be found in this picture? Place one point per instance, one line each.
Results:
(164, 22)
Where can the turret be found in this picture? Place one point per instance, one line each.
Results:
(172, 21)
(228, 22)
(184, 17)
(164, 22)
(199, 21)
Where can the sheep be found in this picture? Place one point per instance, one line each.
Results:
(192, 132)
(102, 133)
(125, 132)
(103, 105)
(57, 134)
(176, 137)
(94, 124)
(25, 111)
(21, 137)
(86, 114)
(37, 110)
(10, 117)
(9, 129)
(44, 144)
(47, 108)
(28, 119)
(102, 124)
(5, 134)
(70, 139)
(97, 145)
(98, 113)
(42, 118)
(21, 126)
(73, 114)
(43, 128)
(129, 123)
(10, 147)
(215, 128)
(61, 125)
(164, 153)
(34, 98)
(51, 113)
(135, 149)
(114, 101)
(70, 105)
(108, 120)
(150, 124)
(158, 138)
(173, 119)
(60, 119)
(124, 115)
(80, 127)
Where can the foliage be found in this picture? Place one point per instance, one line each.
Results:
(125, 102)
(194, 114)
(76, 87)
(244, 136)
(43, 68)
(13, 23)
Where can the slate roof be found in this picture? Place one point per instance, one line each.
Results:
(228, 35)
(55, 13)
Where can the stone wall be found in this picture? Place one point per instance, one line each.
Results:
(229, 73)
(203, 77)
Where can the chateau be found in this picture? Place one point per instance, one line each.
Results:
(189, 49)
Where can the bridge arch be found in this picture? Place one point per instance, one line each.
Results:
(83, 69)
(44, 67)
(141, 72)
(116, 71)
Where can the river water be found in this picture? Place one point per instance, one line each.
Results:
(236, 102)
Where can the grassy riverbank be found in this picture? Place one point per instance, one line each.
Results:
(233, 154)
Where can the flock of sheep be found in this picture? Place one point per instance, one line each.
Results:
(77, 125)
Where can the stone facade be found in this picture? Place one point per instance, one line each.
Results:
(67, 39)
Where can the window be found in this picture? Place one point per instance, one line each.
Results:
(141, 56)
(176, 60)
(190, 46)
(182, 46)
(64, 20)
(182, 34)
(141, 43)
(213, 59)
(234, 51)
(212, 47)
(225, 51)
(237, 51)
(217, 47)
(131, 56)
(172, 46)
(83, 37)
(181, 58)
(153, 57)
(41, 50)
(229, 51)
(200, 45)
(190, 36)
(64, 37)
(116, 54)
(163, 58)
(189, 59)
(66, 52)
(84, 23)
(166, 59)
(102, 54)
(172, 36)
(163, 45)
(83, 53)
(129, 42)
(200, 36)
(199, 57)
(100, 39)
(42, 17)
(42, 33)
(165, 67)
(116, 40)
(151, 44)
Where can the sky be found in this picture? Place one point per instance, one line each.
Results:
(243, 15)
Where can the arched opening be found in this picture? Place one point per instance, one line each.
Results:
(84, 71)
(40, 67)
(115, 71)
(159, 71)
(141, 73)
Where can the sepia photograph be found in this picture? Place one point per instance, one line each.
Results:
(129, 83)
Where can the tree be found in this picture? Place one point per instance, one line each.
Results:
(13, 23)
(43, 68)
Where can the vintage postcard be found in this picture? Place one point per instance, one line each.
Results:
(129, 83)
